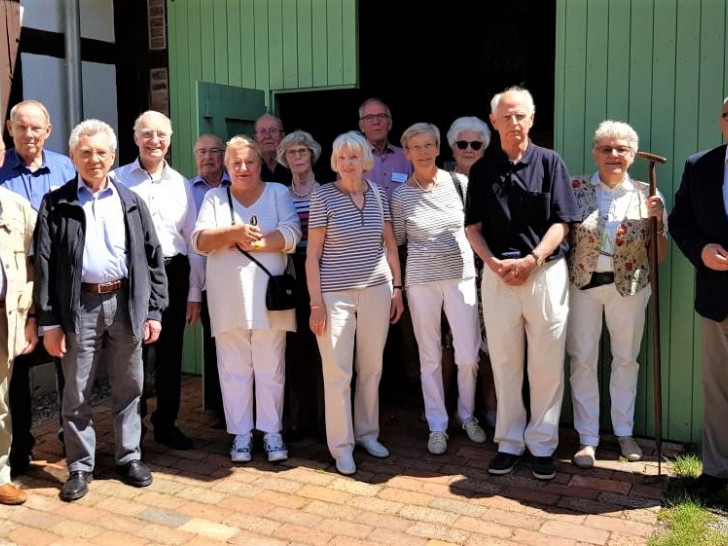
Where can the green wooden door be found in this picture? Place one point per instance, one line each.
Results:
(225, 111)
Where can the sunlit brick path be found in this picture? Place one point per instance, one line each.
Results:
(412, 498)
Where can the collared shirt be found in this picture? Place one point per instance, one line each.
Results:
(199, 188)
(517, 203)
(105, 256)
(725, 182)
(614, 205)
(391, 168)
(55, 171)
(168, 198)
(3, 282)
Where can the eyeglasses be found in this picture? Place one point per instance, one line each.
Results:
(371, 117)
(424, 148)
(724, 115)
(474, 144)
(212, 151)
(608, 150)
(87, 154)
(149, 134)
(297, 152)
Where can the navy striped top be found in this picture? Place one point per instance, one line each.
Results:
(353, 255)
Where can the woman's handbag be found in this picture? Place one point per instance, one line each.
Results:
(281, 293)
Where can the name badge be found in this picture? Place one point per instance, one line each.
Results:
(399, 177)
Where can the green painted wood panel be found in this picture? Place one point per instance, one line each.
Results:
(661, 66)
(248, 50)
(270, 45)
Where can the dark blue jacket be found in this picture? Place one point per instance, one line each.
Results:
(58, 247)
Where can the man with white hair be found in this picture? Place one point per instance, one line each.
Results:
(100, 289)
(169, 200)
(518, 209)
(31, 171)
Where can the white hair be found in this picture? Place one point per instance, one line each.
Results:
(420, 129)
(617, 130)
(355, 142)
(468, 123)
(152, 114)
(91, 127)
(495, 101)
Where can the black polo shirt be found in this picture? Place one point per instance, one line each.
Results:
(279, 174)
(518, 202)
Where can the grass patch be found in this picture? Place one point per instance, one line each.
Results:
(686, 521)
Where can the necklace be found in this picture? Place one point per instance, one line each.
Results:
(312, 184)
(417, 182)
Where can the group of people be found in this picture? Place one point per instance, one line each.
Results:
(506, 261)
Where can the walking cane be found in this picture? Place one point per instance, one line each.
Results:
(655, 309)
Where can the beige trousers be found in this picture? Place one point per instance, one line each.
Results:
(357, 317)
(715, 397)
(6, 427)
(536, 311)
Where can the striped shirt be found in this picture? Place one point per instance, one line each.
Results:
(353, 255)
(431, 223)
(302, 206)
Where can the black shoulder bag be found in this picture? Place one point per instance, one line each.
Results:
(281, 293)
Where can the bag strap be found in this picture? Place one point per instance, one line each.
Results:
(232, 222)
(375, 191)
(458, 187)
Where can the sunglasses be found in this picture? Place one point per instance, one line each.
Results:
(463, 144)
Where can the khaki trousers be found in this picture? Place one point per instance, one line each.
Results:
(715, 397)
(6, 428)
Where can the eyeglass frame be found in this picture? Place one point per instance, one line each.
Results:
(300, 152)
(149, 134)
(463, 144)
(370, 118)
(622, 151)
(208, 151)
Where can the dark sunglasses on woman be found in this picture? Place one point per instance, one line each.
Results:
(463, 144)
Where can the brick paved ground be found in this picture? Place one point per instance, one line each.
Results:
(412, 498)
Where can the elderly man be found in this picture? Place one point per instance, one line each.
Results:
(268, 134)
(18, 326)
(100, 289)
(519, 206)
(699, 228)
(391, 167)
(31, 171)
(209, 151)
(167, 196)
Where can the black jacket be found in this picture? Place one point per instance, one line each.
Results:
(698, 218)
(58, 247)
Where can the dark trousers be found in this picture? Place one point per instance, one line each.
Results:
(304, 387)
(165, 356)
(20, 401)
(211, 388)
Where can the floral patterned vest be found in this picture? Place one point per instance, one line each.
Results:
(631, 263)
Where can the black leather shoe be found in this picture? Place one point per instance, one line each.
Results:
(173, 437)
(19, 463)
(706, 486)
(135, 473)
(77, 485)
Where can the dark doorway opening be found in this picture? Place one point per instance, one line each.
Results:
(435, 62)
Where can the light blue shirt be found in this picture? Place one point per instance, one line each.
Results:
(105, 256)
(55, 171)
(199, 188)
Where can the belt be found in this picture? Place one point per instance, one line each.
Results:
(104, 288)
(598, 279)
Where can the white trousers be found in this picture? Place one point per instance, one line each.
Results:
(247, 360)
(625, 317)
(361, 317)
(535, 311)
(459, 299)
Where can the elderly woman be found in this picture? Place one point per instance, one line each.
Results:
(427, 215)
(298, 152)
(258, 218)
(609, 273)
(468, 138)
(355, 288)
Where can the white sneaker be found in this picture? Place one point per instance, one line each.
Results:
(242, 450)
(474, 431)
(274, 447)
(437, 444)
(374, 448)
(345, 464)
(630, 450)
(585, 457)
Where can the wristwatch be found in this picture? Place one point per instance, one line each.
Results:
(539, 259)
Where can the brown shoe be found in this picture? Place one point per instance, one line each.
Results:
(12, 494)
